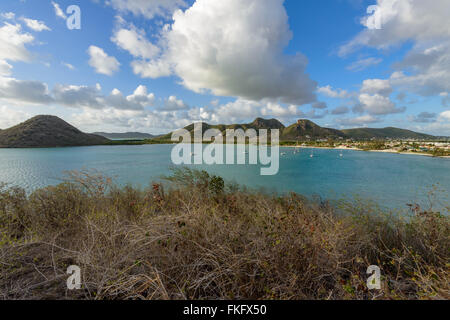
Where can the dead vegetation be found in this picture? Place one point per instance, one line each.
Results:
(198, 238)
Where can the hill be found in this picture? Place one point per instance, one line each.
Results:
(258, 124)
(305, 128)
(126, 135)
(47, 131)
(390, 132)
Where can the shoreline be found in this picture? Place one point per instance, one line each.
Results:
(379, 151)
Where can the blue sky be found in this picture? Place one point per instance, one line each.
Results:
(157, 65)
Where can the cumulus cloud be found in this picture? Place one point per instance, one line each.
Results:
(425, 70)
(332, 93)
(147, 8)
(101, 62)
(377, 86)
(172, 103)
(19, 91)
(445, 116)
(377, 104)
(239, 54)
(11, 117)
(8, 15)
(13, 42)
(5, 68)
(134, 41)
(37, 93)
(35, 25)
(402, 20)
(91, 97)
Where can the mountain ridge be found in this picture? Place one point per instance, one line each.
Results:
(51, 131)
(305, 129)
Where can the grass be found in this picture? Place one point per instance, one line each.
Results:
(199, 238)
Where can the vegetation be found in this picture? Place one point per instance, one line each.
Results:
(385, 133)
(47, 131)
(200, 238)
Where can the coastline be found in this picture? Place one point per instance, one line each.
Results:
(381, 151)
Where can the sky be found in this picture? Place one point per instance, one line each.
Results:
(158, 65)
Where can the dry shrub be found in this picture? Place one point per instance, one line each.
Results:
(198, 238)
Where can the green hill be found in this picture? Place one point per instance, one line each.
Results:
(305, 128)
(47, 131)
(258, 124)
(390, 132)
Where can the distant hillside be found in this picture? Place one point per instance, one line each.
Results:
(127, 135)
(305, 128)
(47, 131)
(258, 124)
(394, 133)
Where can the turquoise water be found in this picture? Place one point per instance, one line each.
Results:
(390, 179)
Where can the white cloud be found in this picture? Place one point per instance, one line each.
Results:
(363, 64)
(11, 117)
(133, 40)
(378, 104)
(151, 69)
(425, 70)
(330, 92)
(172, 104)
(445, 116)
(377, 86)
(239, 54)
(8, 15)
(429, 70)
(68, 65)
(101, 62)
(21, 92)
(402, 20)
(35, 25)
(58, 11)
(5, 68)
(91, 97)
(147, 8)
(12, 43)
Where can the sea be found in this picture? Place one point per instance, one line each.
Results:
(389, 180)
